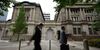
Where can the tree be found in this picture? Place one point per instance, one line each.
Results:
(4, 5)
(96, 24)
(63, 3)
(20, 24)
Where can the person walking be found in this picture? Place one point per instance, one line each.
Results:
(63, 39)
(37, 37)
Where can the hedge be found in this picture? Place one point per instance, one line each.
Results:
(94, 42)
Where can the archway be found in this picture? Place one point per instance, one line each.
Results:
(50, 34)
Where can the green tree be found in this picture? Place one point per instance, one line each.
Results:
(20, 24)
(4, 5)
(63, 3)
(96, 24)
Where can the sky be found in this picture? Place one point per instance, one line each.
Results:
(3, 18)
(46, 5)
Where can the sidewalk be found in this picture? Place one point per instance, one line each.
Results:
(55, 45)
(79, 44)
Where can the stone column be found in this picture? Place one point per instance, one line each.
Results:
(82, 15)
(34, 16)
(69, 13)
(63, 14)
(66, 14)
(30, 16)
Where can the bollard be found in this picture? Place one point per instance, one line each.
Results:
(85, 43)
(19, 44)
(49, 44)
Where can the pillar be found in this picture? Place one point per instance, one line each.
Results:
(69, 13)
(66, 13)
(30, 17)
(82, 14)
(33, 13)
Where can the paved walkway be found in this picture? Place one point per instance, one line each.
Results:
(79, 45)
(55, 45)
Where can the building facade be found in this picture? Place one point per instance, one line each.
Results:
(34, 16)
(78, 19)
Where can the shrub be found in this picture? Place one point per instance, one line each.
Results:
(94, 42)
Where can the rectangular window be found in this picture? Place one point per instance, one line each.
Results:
(74, 31)
(90, 31)
(79, 30)
(88, 10)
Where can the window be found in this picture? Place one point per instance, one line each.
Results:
(90, 31)
(74, 31)
(88, 10)
(74, 10)
(77, 30)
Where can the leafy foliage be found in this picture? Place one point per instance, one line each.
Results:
(96, 24)
(4, 5)
(20, 23)
(94, 42)
(64, 3)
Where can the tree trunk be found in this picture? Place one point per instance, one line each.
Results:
(18, 37)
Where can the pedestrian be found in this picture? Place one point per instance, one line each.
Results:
(63, 39)
(37, 37)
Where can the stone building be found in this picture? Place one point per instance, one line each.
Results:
(34, 16)
(78, 19)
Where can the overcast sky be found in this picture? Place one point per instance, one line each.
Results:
(47, 7)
